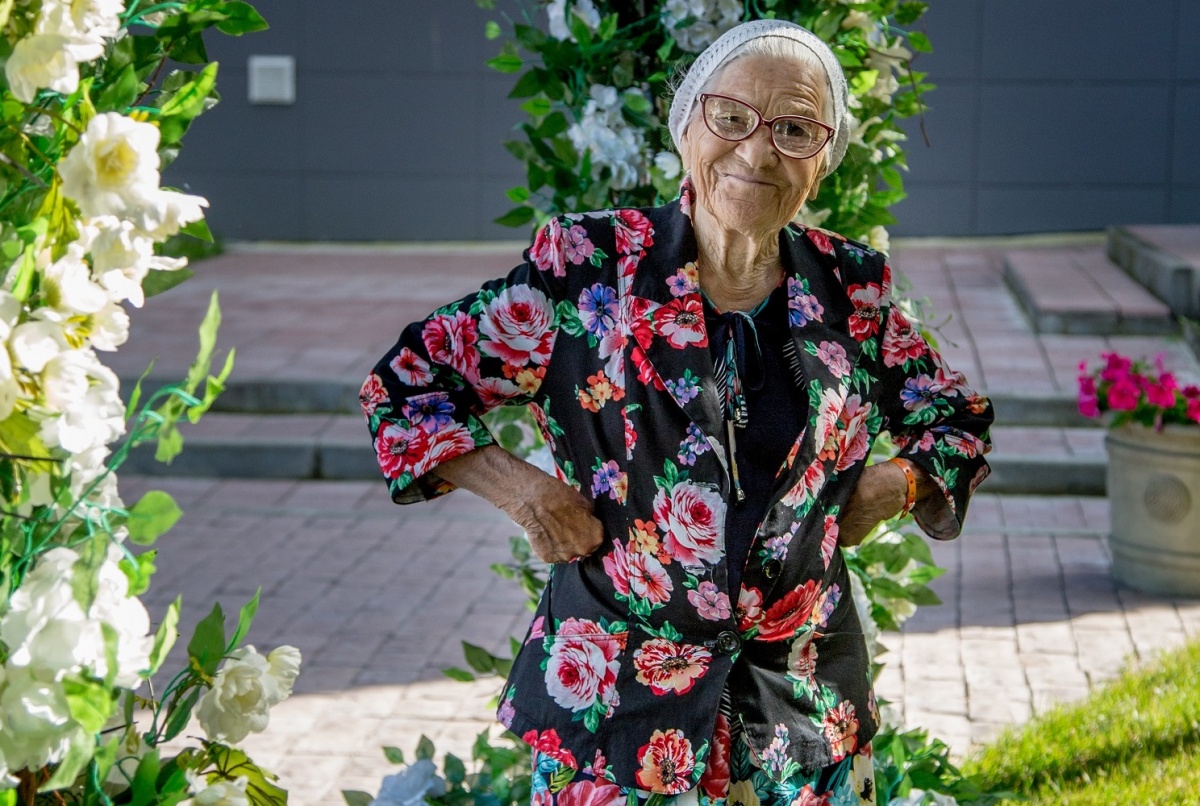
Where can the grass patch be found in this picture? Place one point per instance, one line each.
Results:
(1134, 741)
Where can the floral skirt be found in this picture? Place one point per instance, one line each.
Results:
(732, 778)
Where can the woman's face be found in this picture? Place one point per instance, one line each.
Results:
(748, 186)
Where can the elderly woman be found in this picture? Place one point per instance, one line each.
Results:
(710, 378)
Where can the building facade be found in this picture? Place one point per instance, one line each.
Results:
(1049, 115)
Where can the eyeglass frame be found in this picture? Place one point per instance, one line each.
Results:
(762, 121)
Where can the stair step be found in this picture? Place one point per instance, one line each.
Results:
(1046, 461)
(1164, 259)
(1081, 292)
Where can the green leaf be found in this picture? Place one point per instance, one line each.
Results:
(529, 84)
(208, 342)
(919, 42)
(157, 281)
(165, 636)
(79, 753)
(478, 658)
(394, 755)
(518, 194)
(122, 92)
(354, 797)
(241, 18)
(152, 516)
(90, 702)
(181, 715)
(198, 229)
(207, 646)
(144, 788)
(537, 106)
(188, 101)
(139, 570)
(245, 619)
(635, 101)
(189, 49)
(454, 769)
(516, 217)
(505, 63)
(491, 30)
(213, 387)
(909, 12)
(425, 748)
(461, 675)
(170, 444)
(135, 396)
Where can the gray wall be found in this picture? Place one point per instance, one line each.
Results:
(1049, 115)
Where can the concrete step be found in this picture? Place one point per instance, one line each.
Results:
(1079, 291)
(1025, 460)
(1164, 259)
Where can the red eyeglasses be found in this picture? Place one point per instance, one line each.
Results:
(794, 135)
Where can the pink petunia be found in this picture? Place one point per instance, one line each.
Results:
(1123, 394)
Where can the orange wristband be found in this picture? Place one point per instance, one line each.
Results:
(910, 478)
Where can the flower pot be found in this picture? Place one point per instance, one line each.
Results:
(1154, 494)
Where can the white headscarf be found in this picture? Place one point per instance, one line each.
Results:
(718, 53)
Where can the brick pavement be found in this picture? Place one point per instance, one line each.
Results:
(378, 597)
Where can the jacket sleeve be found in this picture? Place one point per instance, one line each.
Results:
(423, 400)
(936, 420)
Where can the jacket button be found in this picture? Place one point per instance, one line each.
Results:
(771, 568)
(728, 642)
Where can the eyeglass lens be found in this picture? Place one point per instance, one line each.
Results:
(733, 120)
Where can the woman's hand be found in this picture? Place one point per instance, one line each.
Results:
(879, 495)
(557, 517)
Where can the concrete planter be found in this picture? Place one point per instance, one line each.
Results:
(1154, 492)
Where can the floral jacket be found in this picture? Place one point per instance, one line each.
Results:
(601, 331)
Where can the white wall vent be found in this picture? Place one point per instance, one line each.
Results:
(272, 79)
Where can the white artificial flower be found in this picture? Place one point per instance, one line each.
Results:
(164, 212)
(44, 61)
(121, 257)
(710, 19)
(68, 285)
(34, 343)
(130, 752)
(244, 691)
(887, 60)
(862, 21)
(113, 169)
(878, 239)
(92, 20)
(221, 792)
(110, 327)
(557, 12)
(127, 615)
(614, 144)
(96, 418)
(410, 786)
(38, 729)
(668, 162)
(10, 389)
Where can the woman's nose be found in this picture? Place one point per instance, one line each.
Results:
(759, 149)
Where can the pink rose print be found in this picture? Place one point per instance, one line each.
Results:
(901, 343)
(710, 602)
(833, 356)
(749, 607)
(648, 578)
(616, 566)
(633, 232)
(537, 629)
(547, 251)
(399, 449)
(667, 763)
(691, 519)
(806, 489)
(681, 322)
(841, 729)
(967, 445)
(852, 432)
(411, 369)
(821, 241)
(549, 744)
(372, 395)
(495, 392)
(666, 666)
(802, 661)
(786, 616)
(591, 793)
(864, 322)
(445, 445)
(451, 340)
(517, 326)
(830, 541)
(582, 667)
(809, 797)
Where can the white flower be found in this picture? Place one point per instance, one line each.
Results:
(121, 257)
(221, 792)
(557, 12)
(164, 212)
(115, 607)
(710, 19)
(68, 287)
(38, 729)
(243, 692)
(878, 239)
(668, 162)
(89, 20)
(113, 168)
(43, 61)
(614, 144)
(94, 418)
(33, 344)
(410, 786)
(110, 327)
